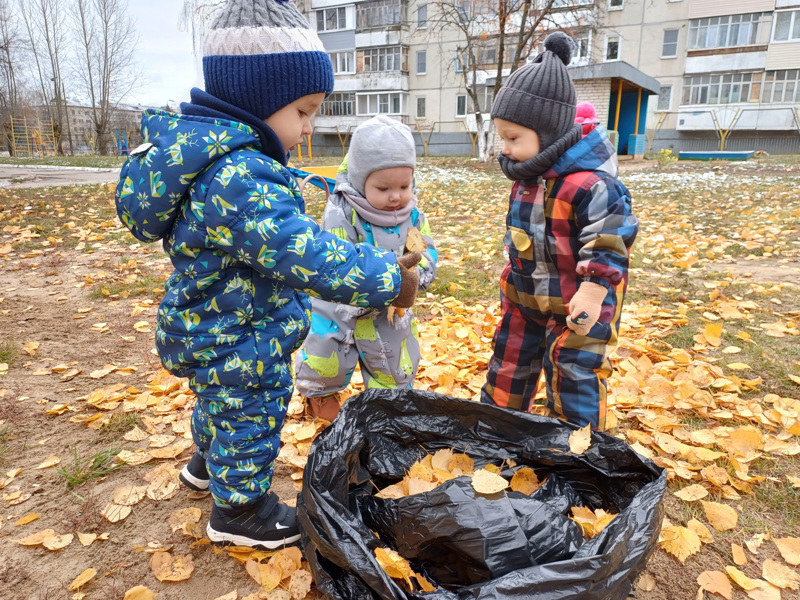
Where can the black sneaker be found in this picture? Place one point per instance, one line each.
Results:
(194, 474)
(267, 524)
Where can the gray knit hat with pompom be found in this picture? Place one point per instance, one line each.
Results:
(540, 95)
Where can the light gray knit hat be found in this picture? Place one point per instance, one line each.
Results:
(261, 55)
(540, 95)
(379, 143)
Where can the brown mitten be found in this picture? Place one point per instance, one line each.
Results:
(585, 306)
(410, 280)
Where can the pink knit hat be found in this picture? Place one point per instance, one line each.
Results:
(585, 113)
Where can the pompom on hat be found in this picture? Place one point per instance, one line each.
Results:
(585, 113)
(541, 95)
(261, 55)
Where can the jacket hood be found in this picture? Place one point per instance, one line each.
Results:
(155, 179)
(595, 152)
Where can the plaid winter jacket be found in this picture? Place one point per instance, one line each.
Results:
(574, 226)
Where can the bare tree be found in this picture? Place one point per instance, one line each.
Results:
(496, 38)
(45, 28)
(196, 17)
(105, 63)
(10, 48)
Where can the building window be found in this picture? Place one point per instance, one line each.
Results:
(422, 62)
(615, 4)
(380, 13)
(723, 32)
(781, 86)
(422, 16)
(338, 104)
(461, 105)
(582, 49)
(421, 107)
(343, 62)
(787, 26)
(669, 45)
(383, 104)
(718, 88)
(387, 58)
(462, 60)
(665, 98)
(612, 47)
(332, 19)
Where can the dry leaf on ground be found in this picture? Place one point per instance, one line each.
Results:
(716, 582)
(580, 440)
(166, 567)
(82, 579)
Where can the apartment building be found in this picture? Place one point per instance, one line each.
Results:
(727, 70)
(692, 71)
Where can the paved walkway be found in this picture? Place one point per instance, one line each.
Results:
(26, 177)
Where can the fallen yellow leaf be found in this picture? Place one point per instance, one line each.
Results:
(780, 575)
(580, 440)
(27, 519)
(679, 541)
(139, 592)
(57, 542)
(740, 579)
(739, 556)
(721, 516)
(50, 461)
(692, 493)
(165, 567)
(82, 579)
(789, 548)
(716, 582)
(486, 482)
(525, 481)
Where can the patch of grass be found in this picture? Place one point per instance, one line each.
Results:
(467, 282)
(771, 358)
(103, 162)
(119, 424)
(682, 337)
(9, 351)
(144, 286)
(774, 503)
(85, 468)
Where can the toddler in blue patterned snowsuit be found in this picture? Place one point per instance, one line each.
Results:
(212, 184)
(373, 202)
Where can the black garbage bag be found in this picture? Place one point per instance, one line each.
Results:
(508, 546)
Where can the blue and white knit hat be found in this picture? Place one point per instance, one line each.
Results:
(261, 55)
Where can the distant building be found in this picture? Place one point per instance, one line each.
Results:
(715, 69)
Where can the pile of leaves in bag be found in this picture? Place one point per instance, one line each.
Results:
(411, 494)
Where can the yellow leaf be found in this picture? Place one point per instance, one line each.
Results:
(57, 542)
(27, 519)
(82, 579)
(37, 538)
(646, 582)
(393, 564)
(525, 481)
(139, 592)
(142, 327)
(740, 579)
(692, 493)
(764, 590)
(701, 530)
(738, 366)
(789, 548)
(679, 541)
(115, 512)
(486, 482)
(31, 347)
(721, 516)
(462, 462)
(422, 471)
(179, 519)
(739, 556)
(580, 440)
(716, 582)
(414, 241)
(712, 333)
(136, 435)
(50, 461)
(86, 539)
(441, 459)
(300, 584)
(128, 495)
(424, 584)
(780, 575)
(165, 567)
(306, 432)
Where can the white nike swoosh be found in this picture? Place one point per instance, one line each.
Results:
(279, 526)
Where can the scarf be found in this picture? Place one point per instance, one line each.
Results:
(542, 162)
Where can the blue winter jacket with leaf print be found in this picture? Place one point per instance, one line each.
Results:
(245, 253)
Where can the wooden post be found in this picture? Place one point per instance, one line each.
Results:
(638, 111)
(652, 135)
(427, 139)
(343, 142)
(619, 102)
(473, 138)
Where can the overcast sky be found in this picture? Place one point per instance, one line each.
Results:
(164, 54)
